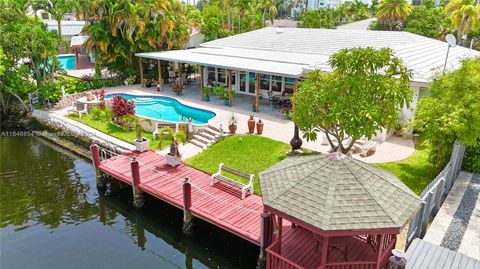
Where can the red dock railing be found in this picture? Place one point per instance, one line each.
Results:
(276, 261)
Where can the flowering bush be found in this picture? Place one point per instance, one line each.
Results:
(121, 107)
(100, 94)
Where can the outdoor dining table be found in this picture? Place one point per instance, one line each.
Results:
(282, 98)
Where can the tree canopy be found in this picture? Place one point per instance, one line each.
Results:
(119, 29)
(365, 91)
(451, 111)
(427, 20)
(393, 12)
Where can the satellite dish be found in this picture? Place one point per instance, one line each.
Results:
(451, 40)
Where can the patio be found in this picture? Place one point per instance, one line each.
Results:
(276, 127)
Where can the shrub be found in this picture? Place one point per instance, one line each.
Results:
(121, 107)
(471, 161)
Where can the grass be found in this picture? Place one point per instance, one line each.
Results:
(117, 132)
(416, 171)
(249, 153)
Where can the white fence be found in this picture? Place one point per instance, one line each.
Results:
(434, 194)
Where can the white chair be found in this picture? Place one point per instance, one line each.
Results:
(80, 108)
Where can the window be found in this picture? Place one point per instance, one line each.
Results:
(276, 83)
(265, 82)
(211, 76)
(289, 85)
(251, 83)
(222, 76)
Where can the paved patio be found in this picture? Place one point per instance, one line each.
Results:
(276, 127)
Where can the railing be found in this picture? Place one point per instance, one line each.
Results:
(435, 192)
(276, 261)
(352, 265)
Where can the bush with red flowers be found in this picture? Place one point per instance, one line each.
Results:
(121, 107)
(100, 94)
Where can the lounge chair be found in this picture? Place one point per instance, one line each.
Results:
(80, 108)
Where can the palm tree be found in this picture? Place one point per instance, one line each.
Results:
(56, 8)
(393, 12)
(465, 16)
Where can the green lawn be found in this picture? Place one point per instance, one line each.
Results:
(415, 171)
(115, 131)
(249, 153)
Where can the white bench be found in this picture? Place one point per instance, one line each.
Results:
(245, 187)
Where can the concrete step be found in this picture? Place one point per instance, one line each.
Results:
(213, 128)
(212, 132)
(202, 139)
(208, 136)
(198, 144)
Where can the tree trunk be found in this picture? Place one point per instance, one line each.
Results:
(460, 28)
(59, 26)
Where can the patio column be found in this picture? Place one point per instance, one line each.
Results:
(380, 239)
(76, 58)
(295, 83)
(160, 80)
(200, 70)
(257, 92)
(324, 252)
(230, 98)
(141, 71)
(279, 251)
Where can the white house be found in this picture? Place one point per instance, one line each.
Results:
(276, 58)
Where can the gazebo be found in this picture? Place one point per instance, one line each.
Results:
(332, 212)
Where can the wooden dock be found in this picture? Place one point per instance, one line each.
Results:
(219, 205)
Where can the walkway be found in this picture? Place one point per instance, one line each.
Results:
(277, 128)
(219, 205)
(424, 255)
(457, 224)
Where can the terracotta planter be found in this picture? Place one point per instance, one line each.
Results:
(232, 128)
(260, 127)
(251, 125)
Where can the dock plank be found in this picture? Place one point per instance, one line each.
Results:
(219, 205)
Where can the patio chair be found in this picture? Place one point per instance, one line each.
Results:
(172, 76)
(80, 108)
(369, 149)
(272, 100)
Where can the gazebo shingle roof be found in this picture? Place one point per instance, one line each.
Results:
(340, 194)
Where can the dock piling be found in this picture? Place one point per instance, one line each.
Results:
(187, 203)
(101, 180)
(265, 237)
(137, 193)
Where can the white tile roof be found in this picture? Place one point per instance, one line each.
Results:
(294, 51)
(69, 28)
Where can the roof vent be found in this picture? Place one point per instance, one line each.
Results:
(336, 156)
(280, 31)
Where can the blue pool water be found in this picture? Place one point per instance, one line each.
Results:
(67, 62)
(166, 109)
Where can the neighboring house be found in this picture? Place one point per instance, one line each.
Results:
(69, 28)
(283, 23)
(315, 4)
(196, 38)
(282, 56)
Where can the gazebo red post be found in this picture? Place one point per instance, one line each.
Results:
(380, 241)
(324, 251)
(279, 240)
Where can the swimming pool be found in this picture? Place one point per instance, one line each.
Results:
(67, 61)
(166, 108)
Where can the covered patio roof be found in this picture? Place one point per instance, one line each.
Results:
(275, 63)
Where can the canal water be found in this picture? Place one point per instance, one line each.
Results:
(52, 216)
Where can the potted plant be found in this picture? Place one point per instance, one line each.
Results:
(254, 107)
(219, 91)
(148, 83)
(141, 143)
(206, 94)
(260, 127)
(226, 96)
(251, 124)
(287, 114)
(232, 125)
(177, 87)
(174, 157)
(129, 80)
